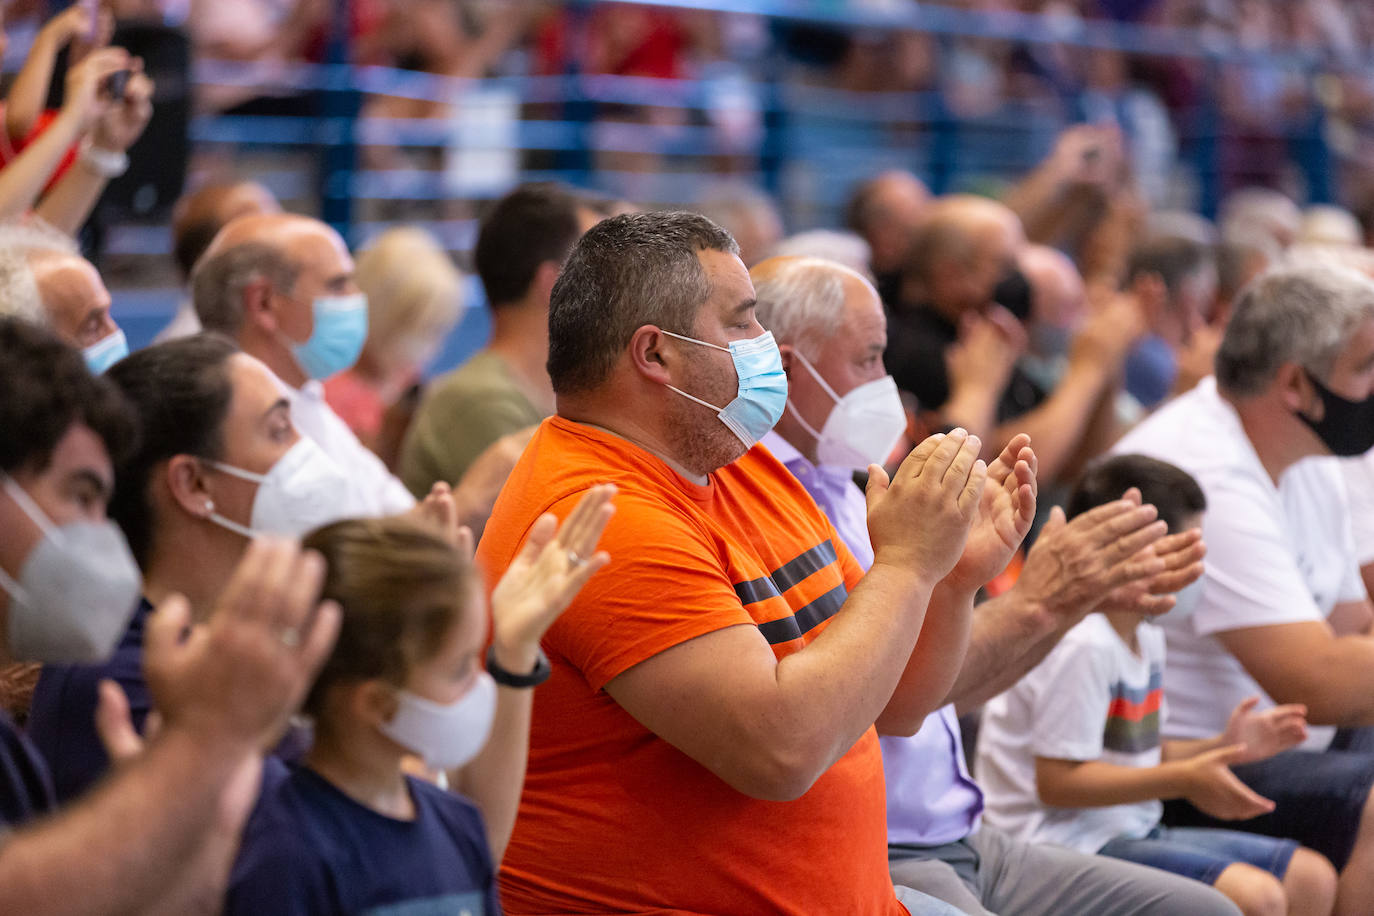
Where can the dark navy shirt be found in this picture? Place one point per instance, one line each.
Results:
(62, 715)
(25, 786)
(310, 850)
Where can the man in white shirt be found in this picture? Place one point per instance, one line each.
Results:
(1294, 380)
(282, 286)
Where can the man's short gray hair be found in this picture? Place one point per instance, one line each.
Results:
(1302, 314)
(847, 248)
(219, 279)
(20, 241)
(802, 301)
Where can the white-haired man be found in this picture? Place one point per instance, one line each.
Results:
(1283, 613)
(842, 413)
(44, 279)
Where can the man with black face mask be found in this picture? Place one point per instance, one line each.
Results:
(158, 835)
(1283, 613)
(955, 335)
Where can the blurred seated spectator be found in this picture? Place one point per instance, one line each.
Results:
(1177, 322)
(222, 691)
(282, 286)
(955, 336)
(1283, 613)
(44, 280)
(747, 213)
(1243, 253)
(521, 245)
(414, 299)
(886, 210)
(1262, 209)
(268, 35)
(842, 247)
(196, 219)
(1324, 224)
(1058, 308)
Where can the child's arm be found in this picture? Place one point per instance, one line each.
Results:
(1205, 780)
(1262, 734)
(29, 93)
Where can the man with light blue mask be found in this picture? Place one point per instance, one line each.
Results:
(840, 416)
(154, 836)
(282, 287)
(44, 278)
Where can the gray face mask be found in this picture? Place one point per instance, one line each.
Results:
(76, 592)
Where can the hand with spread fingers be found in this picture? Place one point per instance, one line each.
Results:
(1075, 565)
(234, 680)
(1005, 514)
(920, 519)
(1181, 555)
(439, 510)
(1267, 732)
(545, 576)
(1212, 788)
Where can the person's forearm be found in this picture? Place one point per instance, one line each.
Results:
(1183, 748)
(23, 179)
(974, 407)
(1094, 784)
(1057, 426)
(934, 663)
(71, 200)
(25, 100)
(1009, 637)
(832, 691)
(494, 779)
(115, 850)
(1035, 200)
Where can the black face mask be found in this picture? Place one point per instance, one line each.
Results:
(1346, 427)
(1013, 293)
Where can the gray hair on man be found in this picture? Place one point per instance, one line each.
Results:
(21, 242)
(1303, 314)
(801, 300)
(220, 277)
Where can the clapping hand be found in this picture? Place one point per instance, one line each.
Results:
(1005, 514)
(1266, 733)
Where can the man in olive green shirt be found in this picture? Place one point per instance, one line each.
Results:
(504, 388)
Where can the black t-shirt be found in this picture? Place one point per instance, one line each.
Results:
(916, 342)
(25, 784)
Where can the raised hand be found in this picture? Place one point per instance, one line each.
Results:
(122, 122)
(233, 681)
(1213, 789)
(1181, 555)
(1074, 566)
(1266, 733)
(1005, 514)
(546, 575)
(83, 98)
(439, 510)
(920, 519)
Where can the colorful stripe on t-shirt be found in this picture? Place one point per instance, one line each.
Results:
(1133, 716)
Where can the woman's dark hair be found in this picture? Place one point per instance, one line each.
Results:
(1168, 488)
(45, 388)
(181, 392)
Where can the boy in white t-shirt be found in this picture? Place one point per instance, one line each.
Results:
(1072, 754)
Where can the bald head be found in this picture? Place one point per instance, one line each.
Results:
(1056, 286)
(200, 215)
(886, 210)
(963, 248)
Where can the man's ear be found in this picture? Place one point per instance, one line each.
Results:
(372, 701)
(259, 307)
(787, 352)
(1297, 391)
(652, 354)
(544, 278)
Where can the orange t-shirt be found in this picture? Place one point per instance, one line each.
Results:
(615, 819)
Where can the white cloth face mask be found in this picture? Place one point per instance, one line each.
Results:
(446, 735)
(864, 426)
(303, 490)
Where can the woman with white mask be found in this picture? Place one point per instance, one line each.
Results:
(218, 461)
(408, 677)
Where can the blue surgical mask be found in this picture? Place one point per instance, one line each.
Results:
(762, 387)
(107, 351)
(340, 331)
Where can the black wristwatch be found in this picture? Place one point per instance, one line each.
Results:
(500, 675)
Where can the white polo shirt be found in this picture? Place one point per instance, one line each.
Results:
(375, 491)
(1359, 486)
(1275, 555)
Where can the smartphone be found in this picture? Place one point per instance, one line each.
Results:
(115, 84)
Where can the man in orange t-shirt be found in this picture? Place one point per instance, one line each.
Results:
(706, 743)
